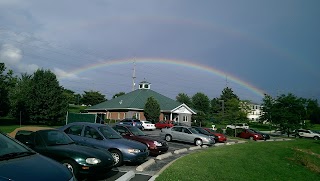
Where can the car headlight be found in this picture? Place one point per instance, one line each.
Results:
(93, 161)
(133, 150)
(157, 143)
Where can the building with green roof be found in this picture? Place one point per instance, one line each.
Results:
(132, 105)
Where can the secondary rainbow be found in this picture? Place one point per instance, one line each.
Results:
(188, 64)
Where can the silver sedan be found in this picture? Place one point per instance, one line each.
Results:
(186, 134)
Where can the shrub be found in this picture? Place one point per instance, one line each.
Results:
(219, 130)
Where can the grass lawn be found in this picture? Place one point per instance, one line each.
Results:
(283, 160)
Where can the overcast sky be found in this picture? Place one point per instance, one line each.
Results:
(273, 45)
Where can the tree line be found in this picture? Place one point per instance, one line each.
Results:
(39, 98)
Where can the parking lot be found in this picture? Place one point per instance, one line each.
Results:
(154, 168)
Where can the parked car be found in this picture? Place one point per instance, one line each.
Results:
(132, 122)
(103, 136)
(164, 124)
(221, 137)
(18, 162)
(55, 144)
(248, 134)
(238, 125)
(155, 146)
(186, 134)
(265, 135)
(147, 125)
(205, 132)
(306, 133)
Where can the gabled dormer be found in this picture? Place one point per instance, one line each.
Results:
(144, 85)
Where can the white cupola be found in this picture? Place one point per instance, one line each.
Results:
(144, 85)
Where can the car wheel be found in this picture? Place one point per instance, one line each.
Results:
(168, 137)
(251, 138)
(316, 138)
(71, 165)
(198, 142)
(117, 156)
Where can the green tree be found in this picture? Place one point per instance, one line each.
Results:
(184, 99)
(19, 98)
(201, 102)
(287, 112)
(227, 94)
(267, 108)
(71, 96)
(152, 110)
(92, 98)
(7, 81)
(313, 111)
(118, 94)
(46, 103)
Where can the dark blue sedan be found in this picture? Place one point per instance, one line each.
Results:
(103, 136)
(18, 162)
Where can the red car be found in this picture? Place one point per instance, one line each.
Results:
(164, 124)
(156, 146)
(248, 134)
(221, 137)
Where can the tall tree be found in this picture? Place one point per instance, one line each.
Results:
(313, 111)
(184, 99)
(71, 96)
(287, 112)
(227, 94)
(7, 81)
(46, 102)
(19, 97)
(267, 108)
(118, 94)
(201, 102)
(152, 110)
(92, 98)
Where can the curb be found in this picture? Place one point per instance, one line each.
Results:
(146, 164)
(195, 148)
(180, 151)
(127, 176)
(163, 156)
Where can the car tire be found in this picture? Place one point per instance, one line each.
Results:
(198, 142)
(316, 138)
(71, 165)
(117, 156)
(168, 137)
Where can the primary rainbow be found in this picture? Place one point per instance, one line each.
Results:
(197, 66)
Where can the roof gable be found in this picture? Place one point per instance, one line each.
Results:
(136, 100)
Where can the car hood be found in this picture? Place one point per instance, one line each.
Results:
(75, 150)
(34, 167)
(149, 139)
(129, 143)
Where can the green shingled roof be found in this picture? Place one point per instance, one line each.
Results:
(136, 100)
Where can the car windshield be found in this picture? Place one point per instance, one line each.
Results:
(55, 137)
(109, 133)
(137, 131)
(147, 122)
(10, 149)
(202, 131)
(193, 130)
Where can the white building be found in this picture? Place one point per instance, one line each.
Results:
(254, 112)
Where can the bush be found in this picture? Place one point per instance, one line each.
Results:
(219, 130)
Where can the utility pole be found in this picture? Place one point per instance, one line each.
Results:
(134, 76)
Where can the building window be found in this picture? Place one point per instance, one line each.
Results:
(110, 115)
(124, 115)
(185, 118)
(137, 115)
